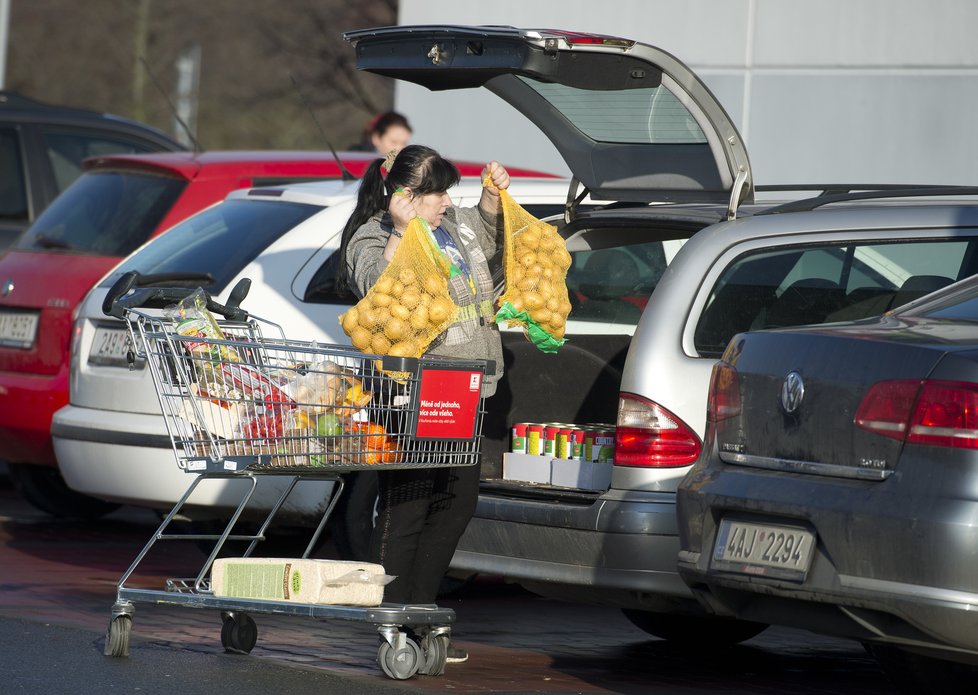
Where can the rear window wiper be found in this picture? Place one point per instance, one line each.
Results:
(173, 279)
(46, 242)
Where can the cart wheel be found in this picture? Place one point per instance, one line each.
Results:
(117, 637)
(435, 650)
(400, 664)
(239, 633)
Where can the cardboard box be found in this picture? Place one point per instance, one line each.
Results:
(582, 475)
(545, 470)
(334, 582)
(528, 468)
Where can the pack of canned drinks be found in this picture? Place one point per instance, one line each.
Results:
(591, 442)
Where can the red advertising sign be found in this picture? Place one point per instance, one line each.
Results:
(448, 403)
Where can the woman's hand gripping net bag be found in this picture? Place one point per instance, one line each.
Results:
(409, 305)
(535, 260)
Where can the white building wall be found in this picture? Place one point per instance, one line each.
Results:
(828, 91)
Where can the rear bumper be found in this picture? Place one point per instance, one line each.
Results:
(29, 402)
(894, 560)
(617, 550)
(129, 458)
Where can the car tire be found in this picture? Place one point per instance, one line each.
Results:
(699, 630)
(44, 488)
(912, 673)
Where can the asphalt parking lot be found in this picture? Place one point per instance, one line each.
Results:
(64, 574)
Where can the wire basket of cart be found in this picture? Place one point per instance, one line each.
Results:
(240, 401)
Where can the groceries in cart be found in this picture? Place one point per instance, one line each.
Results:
(238, 403)
(294, 405)
(300, 580)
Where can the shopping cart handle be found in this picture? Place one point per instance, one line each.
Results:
(122, 297)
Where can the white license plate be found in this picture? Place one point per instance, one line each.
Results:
(111, 347)
(763, 549)
(18, 329)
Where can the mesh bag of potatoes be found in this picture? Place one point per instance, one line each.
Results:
(409, 305)
(535, 260)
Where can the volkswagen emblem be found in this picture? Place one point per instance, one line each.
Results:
(792, 392)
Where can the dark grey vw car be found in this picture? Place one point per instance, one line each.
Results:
(838, 487)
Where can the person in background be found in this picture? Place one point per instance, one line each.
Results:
(384, 133)
(423, 511)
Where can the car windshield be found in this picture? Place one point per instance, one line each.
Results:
(220, 241)
(104, 213)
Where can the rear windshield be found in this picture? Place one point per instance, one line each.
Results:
(220, 241)
(647, 115)
(104, 213)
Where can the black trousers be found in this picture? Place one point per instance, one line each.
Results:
(422, 514)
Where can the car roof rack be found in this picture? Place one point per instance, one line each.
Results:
(840, 193)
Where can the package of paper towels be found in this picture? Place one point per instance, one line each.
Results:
(337, 582)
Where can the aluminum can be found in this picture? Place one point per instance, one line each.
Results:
(604, 446)
(534, 439)
(518, 441)
(550, 439)
(562, 448)
(576, 444)
(596, 440)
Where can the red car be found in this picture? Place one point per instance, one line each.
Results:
(117, 204)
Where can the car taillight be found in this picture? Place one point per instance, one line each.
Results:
(648, 435)
(724, 398)
(937, 413)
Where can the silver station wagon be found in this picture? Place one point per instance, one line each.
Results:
(681, 253)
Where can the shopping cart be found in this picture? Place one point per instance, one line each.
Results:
(249, 403)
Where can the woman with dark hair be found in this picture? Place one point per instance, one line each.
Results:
(423, 511)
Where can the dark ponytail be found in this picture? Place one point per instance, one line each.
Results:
(416, 167)
(371, 198)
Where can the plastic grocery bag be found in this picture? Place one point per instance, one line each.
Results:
(409, 305)
(193, 319)
(535, 260)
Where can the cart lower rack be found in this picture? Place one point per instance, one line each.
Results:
(239, 405)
